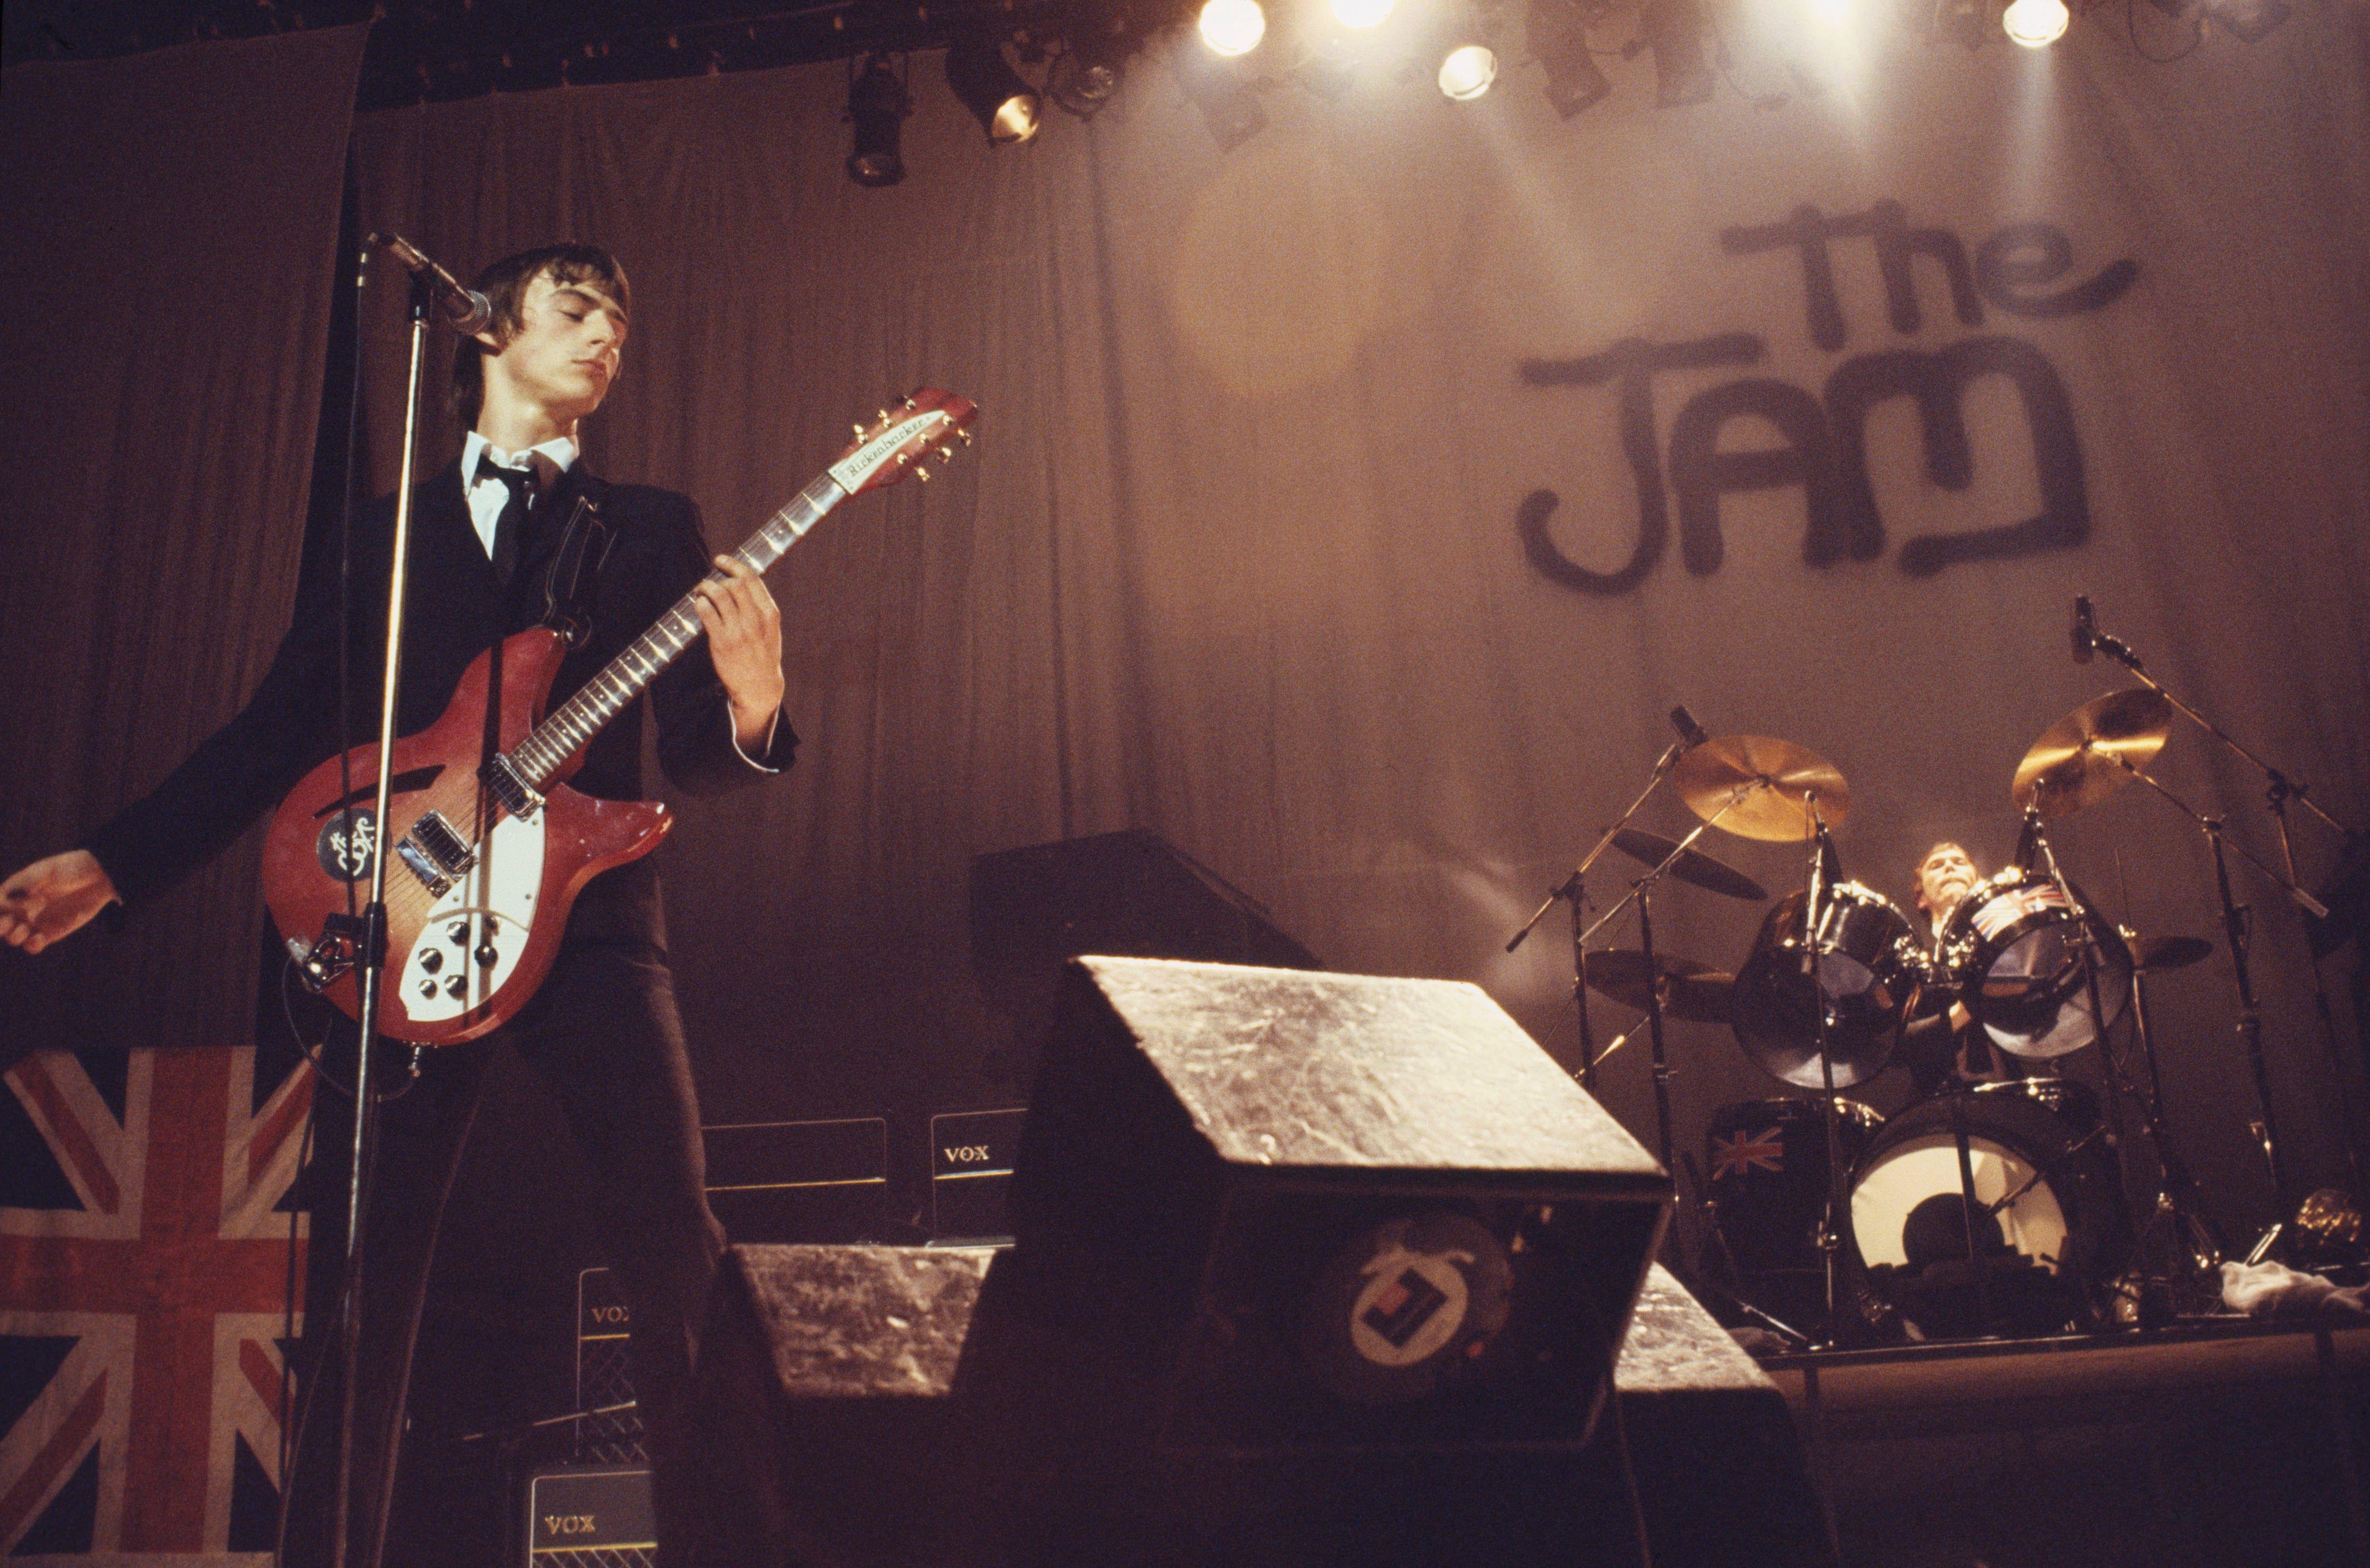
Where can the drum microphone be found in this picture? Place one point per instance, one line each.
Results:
(1691, 734)
(464, 310)
(2086, 632)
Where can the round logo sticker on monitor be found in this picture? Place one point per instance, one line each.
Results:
(1405, 1304)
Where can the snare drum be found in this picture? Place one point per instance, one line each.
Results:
(2049, 1222)
(1867, 968)
(2013, 950)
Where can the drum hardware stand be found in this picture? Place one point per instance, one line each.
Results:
(2282, 788)
(1831, 1239)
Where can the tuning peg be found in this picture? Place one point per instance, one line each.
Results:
(884, 416)
(903, 458)
(964, 435)
(923, 475)
(859, 432)
(909, 403)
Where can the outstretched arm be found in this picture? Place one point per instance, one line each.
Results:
(53, 899)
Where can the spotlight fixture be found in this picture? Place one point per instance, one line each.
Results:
(1467, 71)
(1361, 14)
(1083, 77)
(2035, 24)
(1008, 109)
(1674, 30)
(1558, 36)
(1233, 27)
(878, 104)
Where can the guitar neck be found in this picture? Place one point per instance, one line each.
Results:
(572, 726)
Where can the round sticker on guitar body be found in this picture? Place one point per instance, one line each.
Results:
(1407, 1303)
(344, 846)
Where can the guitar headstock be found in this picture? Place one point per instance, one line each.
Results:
(925, 427)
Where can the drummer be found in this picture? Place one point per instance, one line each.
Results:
(1940, 1047)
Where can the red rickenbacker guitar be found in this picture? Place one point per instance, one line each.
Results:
(488, 847)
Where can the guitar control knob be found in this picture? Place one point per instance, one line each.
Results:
(428, 990)
(432, 960)
(456, 987)
(457, 933)
(486, 955)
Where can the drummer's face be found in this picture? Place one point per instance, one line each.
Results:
(1944, 876)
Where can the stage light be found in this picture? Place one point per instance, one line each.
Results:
(1008, 109)
(2035, 23)
(1083, 77)
(1467, 71)
(1558, 36)
(878, 104)
(1233, 27)
(1674, 30)
(1361, 13)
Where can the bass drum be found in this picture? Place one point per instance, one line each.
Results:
(2049, 1216)
(1867, 969)
(1768, 1161)
(2013, 948)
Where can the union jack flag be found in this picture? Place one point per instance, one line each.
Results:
(1763, 1151)
(145, 1287)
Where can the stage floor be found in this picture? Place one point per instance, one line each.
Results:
(2215, 1444)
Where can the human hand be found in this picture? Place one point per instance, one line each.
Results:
(52, 898)
(744, 640)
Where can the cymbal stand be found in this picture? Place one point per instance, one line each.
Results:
(1831, 1239)
(1574, 887)
(2177, 1188)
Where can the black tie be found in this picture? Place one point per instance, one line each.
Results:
(523, 483)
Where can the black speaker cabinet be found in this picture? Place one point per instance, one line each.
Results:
(1306, 1212)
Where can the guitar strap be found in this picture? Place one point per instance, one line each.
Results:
(584, 545)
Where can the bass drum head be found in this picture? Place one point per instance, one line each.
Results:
(2049, 1220)
(1768, 1161)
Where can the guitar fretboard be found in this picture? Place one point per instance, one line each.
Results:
(570, 726)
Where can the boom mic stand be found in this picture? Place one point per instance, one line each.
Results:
(2280, 790)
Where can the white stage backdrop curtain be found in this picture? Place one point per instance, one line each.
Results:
(1351, 505)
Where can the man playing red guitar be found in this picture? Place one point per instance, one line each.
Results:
(603, 1028)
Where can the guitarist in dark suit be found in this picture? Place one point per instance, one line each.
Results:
(516, 532)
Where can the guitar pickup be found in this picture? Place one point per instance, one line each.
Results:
(513, 791)
(437, 855)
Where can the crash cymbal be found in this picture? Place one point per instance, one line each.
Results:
(2091, 752)
(1689, 989)
(2151, 954)
(1762, 783)
(1692, 867)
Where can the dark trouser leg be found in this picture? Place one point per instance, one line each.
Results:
(420, 1139)
(605, 1035)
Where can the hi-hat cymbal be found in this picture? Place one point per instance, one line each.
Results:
(1762, 783)
(2093, 751)
(2152, 953)
(1692, 867)
(1689, 990)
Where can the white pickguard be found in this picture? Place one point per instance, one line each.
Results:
(494, 907)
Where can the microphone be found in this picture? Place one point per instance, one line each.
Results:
(2086, 634)
(464, 310)
(1691, 734)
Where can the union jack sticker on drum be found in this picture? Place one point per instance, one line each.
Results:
(144, 1276)
(1762, 1150)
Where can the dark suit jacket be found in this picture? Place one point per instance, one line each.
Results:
(455, 610)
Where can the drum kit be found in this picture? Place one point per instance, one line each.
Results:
(1980, 1208)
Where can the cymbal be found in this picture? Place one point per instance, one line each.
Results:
(2083, 759)
(1690, 991)
(2152, 953)
(1772, 777)
(1692, 867)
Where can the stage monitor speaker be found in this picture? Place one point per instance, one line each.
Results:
(1285, 1210)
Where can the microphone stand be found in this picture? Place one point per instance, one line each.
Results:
(371, 960)
(2279, 789)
